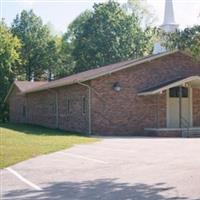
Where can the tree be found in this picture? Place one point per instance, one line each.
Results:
(9, 59)
(187, 40)
(57, 59)
(65, 53)
(76, 26)
(106, 35)
(142, 10)
(67, 44)
(34, 37)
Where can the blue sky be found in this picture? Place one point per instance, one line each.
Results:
(61, 12)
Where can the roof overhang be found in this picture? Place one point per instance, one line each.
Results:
(192, 81)
(22, 86)
(9, 92)
(135, 62)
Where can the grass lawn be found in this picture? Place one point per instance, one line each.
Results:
(20, 142)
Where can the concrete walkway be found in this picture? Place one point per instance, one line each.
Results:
(112, 169)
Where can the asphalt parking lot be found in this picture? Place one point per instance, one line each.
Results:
(112, 169)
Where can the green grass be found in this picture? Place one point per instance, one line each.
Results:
(21, 142)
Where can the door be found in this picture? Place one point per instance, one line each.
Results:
(174, 111)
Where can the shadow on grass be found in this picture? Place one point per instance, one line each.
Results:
(100, 189)
(38, 130)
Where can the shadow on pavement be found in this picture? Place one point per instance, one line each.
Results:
(104, 189)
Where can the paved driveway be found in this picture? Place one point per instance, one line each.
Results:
(114, 168)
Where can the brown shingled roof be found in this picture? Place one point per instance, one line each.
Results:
(94, 73)
(27, 85)
(24, 86)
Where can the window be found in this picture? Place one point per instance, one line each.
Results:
(24, 111)
(68, 106)
(84, 105)
(175, 92)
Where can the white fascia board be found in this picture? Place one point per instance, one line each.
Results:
(175, 84)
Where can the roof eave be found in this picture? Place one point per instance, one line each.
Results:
(103, 74)
(171, 85)
(9, 91)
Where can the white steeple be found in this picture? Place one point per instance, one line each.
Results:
(169, 25)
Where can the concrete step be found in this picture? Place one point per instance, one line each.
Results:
(191, 133)
(194, 133)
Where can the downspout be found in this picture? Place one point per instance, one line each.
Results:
(158, 107)
(180, 106)
(89, 107)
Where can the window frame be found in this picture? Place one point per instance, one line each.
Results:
(175, 92)
(24, 111)
(84, 105)
(68, 106)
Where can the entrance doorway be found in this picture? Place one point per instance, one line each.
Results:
(179, 107)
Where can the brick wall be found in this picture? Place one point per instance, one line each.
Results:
(124, 112)
(42, 108)
(16, 104)
(163, 133)
(76, 120)
(113, 113)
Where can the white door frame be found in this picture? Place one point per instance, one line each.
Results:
(190, 106)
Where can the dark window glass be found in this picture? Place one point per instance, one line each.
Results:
(24, 111)
(84, 105)
(175, 92)
(68, 106)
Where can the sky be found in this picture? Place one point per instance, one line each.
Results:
(60, 13)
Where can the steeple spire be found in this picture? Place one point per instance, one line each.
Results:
(169, 13)
(169, 24)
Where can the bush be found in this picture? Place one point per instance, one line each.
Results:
(4, 113)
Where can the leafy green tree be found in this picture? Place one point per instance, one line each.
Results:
(67, 61)
(106, 35)
(52, 59)
(67, 45)
(57, 59)
(187, 40)
(9, 59)
(34, 37)
(142, 10)
(77, 25)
